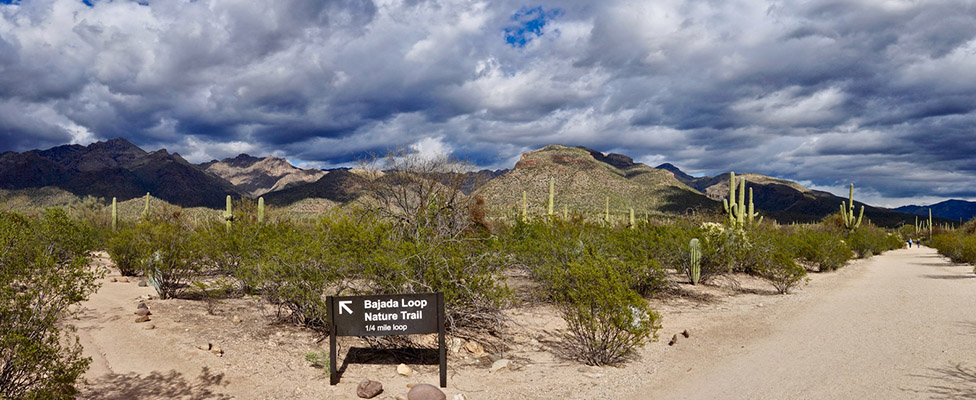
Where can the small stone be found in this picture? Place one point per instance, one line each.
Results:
(143, 283)
(236, 319)
(685, 333)
(149, 327)
(124, 280)
(759, 305)
(401, 396)
(499, 365)
(425, 391)
(456, 345)
(144, 318)
(142, 305)
(674, 339)
(404, 369)
(475, 348)
(459, 396)
(593, 375)
(217, 351)
(143, 312)
(369, 389)
(113, 280)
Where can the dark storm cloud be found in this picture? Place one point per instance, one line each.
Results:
(877, 92)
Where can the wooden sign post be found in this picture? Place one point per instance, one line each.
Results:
(386, 314)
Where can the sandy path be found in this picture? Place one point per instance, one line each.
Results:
(901, 325)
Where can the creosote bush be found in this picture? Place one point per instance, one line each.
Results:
(607, 321)
(43, 271)
(122, 246)
(169, 255)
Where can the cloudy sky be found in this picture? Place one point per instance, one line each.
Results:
(881, 93)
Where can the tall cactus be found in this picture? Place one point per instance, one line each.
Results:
(695, 270)
(261, 210)
(525, 207)
(930, 222)
(847, 212)
(552, 195)
(633, 224)
(228, 214)
(737, 212)
(145, 211)
(115, 215)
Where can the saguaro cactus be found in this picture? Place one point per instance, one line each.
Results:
(228, 214)
(525, 207)
(737, 212)
(847, 212)
(261, 210)
(552, 195)
(145, 211)
(115, 215)
(930, 222)
(694, 248)
(633, 224)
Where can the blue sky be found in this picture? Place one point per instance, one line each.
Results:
(881, 93)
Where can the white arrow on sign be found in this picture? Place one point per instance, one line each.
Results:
(345, 305)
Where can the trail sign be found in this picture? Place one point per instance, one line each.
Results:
(388, 314)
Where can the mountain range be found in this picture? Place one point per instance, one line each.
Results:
(585, 181)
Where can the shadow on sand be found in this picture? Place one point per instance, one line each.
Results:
(955, 381)
(156, 385)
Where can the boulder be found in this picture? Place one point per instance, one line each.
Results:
(425, 391)
(369, 389)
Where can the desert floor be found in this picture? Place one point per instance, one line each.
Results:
(898, 325)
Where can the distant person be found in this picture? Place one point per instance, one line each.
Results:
(909, 243)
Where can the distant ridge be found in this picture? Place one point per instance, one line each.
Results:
(114, 168)
(256, 176)
(955, 210)
(787, 201)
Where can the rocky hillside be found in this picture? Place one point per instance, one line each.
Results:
(584, 179)
(256, 176)
(787, 201)
(337, 185)
(114, 168)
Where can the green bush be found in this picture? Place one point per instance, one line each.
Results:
(957, 246)
(169, 256)
(869, 240)
(44, 271)
(770, 258)
(819, 247)
(607, 321)
(123, 247)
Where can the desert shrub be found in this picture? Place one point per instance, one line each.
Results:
(869, 240)
(293, 269)
(819, 247)
(44, 271)
(957, 246)
(723, 250)
(169, 255)
(770, 258)
(607, 321)
(636, 251)
(123, 247)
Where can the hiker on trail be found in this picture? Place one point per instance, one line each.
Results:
(909, 243)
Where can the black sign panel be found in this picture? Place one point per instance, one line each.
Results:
(388, 314)
(394, 314)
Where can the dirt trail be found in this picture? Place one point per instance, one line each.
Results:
(900, 325)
